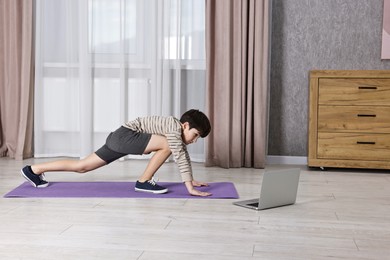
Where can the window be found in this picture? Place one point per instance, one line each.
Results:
(103, 62)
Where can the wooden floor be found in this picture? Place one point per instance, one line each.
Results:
(339, 214)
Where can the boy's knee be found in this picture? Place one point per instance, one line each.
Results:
(166, 150)
(82, 169)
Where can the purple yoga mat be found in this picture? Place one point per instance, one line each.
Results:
(220, 190)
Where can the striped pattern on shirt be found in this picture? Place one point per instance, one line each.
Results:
(171, 128)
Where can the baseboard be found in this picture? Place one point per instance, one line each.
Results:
(294, 160)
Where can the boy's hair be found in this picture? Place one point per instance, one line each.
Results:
(196, 119)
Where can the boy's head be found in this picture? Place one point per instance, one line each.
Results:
(197, 120)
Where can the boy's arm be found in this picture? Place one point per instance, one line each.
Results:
(179, 151)
(195, 192)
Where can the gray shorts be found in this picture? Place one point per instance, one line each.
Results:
(121, 142)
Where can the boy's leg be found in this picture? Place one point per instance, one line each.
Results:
(159, 145)
(89, 163)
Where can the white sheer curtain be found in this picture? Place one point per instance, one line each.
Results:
(100, 63)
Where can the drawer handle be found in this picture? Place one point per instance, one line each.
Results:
(368, 87)
(358, 142)
(366, 115)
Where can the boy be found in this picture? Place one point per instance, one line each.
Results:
(162, 135)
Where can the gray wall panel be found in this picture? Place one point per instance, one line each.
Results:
(315, 34)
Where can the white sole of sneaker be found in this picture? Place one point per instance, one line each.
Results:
(152, 191)
(32, 183)
(42, 186)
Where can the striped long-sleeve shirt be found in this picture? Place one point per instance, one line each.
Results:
(171, 128)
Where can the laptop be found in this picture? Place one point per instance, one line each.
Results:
(279, 188)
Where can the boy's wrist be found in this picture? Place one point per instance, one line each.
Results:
(189, 185)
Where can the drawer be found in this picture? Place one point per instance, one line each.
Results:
(344, 91)
(350, 146)
(354, 119)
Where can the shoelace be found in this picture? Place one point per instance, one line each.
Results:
(153, 181)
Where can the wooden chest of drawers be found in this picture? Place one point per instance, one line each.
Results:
(349, 124)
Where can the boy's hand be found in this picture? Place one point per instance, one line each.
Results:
(195, 192)
(191, 190)
(199, 184)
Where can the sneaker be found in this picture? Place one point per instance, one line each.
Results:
(37, 181)
(150, 186)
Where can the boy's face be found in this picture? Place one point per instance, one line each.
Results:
(189, 135)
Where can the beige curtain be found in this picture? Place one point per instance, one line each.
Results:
(237, 47)
(16, 78)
